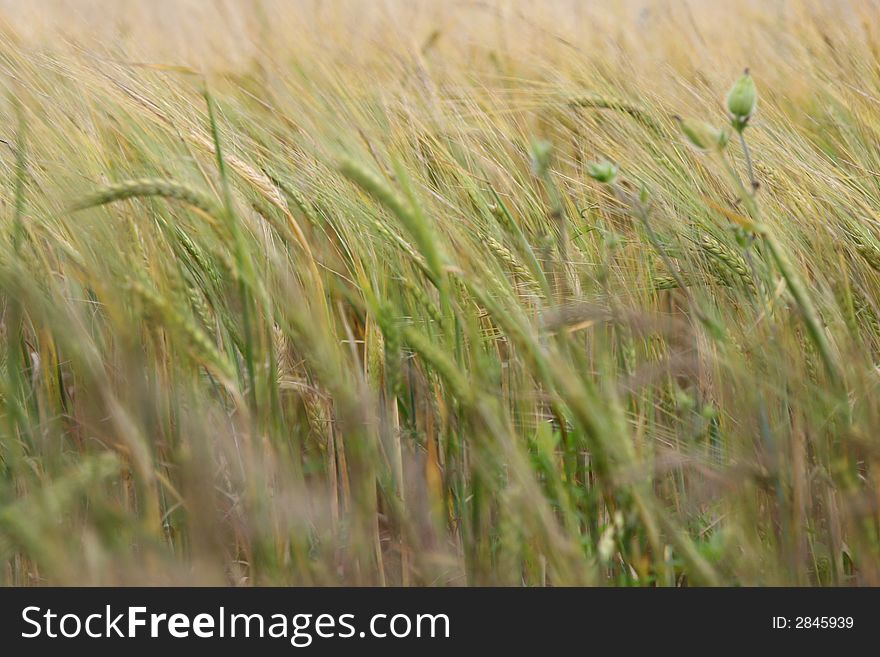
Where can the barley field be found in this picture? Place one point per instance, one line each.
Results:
(412, 293)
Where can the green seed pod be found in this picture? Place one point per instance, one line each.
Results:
(742, 99)
(703, 136)
(603, 172)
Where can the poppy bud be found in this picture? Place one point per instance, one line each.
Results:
(703, 136)
(603, 172)
(742, 99)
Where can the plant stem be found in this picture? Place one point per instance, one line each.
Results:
(751, 171)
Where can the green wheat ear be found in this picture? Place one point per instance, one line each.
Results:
(147, 187)
(597, 101)
(730, 259)
(199, 343)
(411, 218)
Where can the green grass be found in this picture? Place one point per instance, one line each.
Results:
(306, 317)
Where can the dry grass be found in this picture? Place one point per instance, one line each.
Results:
(292, 293)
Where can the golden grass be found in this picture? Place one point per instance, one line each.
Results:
(322, 293)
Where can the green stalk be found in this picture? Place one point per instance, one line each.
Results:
(792, 279)
(242, 263)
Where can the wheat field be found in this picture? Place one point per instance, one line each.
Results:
(439, 294)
